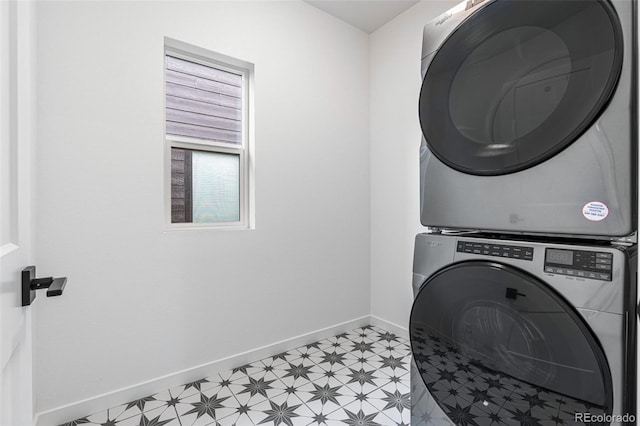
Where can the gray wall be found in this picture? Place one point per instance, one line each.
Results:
(141, 302)
(394, 64)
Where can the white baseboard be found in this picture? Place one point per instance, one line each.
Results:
(98, 403)
(390, 326)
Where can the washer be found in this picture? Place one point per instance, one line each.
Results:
(527, 109)
(512, 332)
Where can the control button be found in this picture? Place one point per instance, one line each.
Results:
(604, 255)
(606, 267)
(560, 271)
(460, 246)
(592, 275)
(468, 250)
(603, 261)
(549, 269)
(606, 277)
(571, 272)
(516, 256)
(485, 252)
(476, 251)
(581, 273)
(495, 253)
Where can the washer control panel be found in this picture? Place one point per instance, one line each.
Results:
(497, 250)
(579, 263)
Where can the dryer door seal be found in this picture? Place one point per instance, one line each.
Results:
(519, 81)
(494, 342)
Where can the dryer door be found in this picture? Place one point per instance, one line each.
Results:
(519, 81)
(495, 345)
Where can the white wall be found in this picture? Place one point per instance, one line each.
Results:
(394, 83)
(140, 302)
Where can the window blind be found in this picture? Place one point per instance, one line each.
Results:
(202, 102)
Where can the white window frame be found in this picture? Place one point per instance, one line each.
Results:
(245, 150)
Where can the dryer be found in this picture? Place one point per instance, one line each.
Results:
(513, 332)
(527, 109)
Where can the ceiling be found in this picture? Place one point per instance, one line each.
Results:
(368, 15)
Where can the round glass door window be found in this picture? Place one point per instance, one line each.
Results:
(519, 81)
(496, 346)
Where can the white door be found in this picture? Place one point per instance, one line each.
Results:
(17, 133)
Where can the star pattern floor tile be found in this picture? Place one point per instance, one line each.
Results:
(358, 378)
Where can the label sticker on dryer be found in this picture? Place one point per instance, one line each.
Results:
(595, 211)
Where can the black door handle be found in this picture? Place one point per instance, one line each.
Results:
(54, 286)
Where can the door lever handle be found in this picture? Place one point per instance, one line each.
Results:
(57, 286)
(54, 286)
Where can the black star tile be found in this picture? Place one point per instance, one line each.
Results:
(290, 389)
(325, 393)
(207, 406)
(446, 375)
(361, 396)
(524, 417)
(172, 402)
(144, 421)
(320, 419)
(140, 403)
(362, 347)
(392, 362)
(396, 400)
(461, 416)
(386, 336)
(361, 376)
(360, 419)
(280, 414)
(480, 395)
(535, 401)
(242, 369)
(257, 386)
(333, 358)
(225, 383)
(493, 382)
(297, 371)
(283, 355)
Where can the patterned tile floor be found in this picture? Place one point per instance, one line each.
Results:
(359, 378)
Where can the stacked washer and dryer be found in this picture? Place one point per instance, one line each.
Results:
(524, 306)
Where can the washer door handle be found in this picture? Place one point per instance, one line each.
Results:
(512, 293)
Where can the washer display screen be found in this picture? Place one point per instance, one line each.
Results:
(560, 257)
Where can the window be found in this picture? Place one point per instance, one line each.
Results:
(206, 138)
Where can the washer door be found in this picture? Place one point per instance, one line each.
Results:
(495, 345)
(519, 81)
